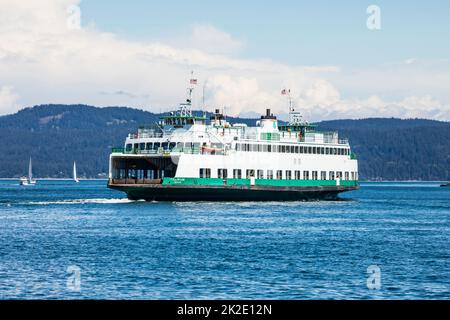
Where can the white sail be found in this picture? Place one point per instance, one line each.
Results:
(30, 171)
(75, 172)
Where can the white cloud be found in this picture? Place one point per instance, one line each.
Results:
(47, 62)
(212, 40)
(239, 94)
(8, 100)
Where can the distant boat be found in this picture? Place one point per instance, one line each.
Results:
(75, 172)
(445, 185)
(28, 181)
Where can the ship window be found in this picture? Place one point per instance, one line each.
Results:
(305, 175)
(288, 149)
(347, 176)
(297, 175)
(142, 146)
(288, 175)
(250, 173)
(260, 174)
(129, 147)
(323, 175)
(322, 150)
(149, 146)
(237, 174)
(279, 175)
(327, 150)
(165, 145)
(353, 175)
(301, 149)
(238, 147)
(331, 175)
(173, 145)
(314, 150)
(217, 145)
(205, 173)
(292, 149)
(314, 175)
(266, 148)
(136, 146)
(283, 149)
(296, 149)
(270, 174)
(156, 145)
(339, 175)
(222, 173)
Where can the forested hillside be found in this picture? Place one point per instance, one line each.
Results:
(56, 135)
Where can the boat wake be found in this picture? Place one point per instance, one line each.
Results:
(82, 201)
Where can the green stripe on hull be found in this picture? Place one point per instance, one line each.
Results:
(258, 182)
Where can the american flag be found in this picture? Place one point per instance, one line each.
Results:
(194, 81)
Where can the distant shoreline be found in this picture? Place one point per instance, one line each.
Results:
(106, 179)
(57, 179)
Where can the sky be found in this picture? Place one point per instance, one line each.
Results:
(340, 60)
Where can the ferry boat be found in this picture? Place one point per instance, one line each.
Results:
(187, 157)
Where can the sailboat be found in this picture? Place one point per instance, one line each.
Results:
(75, 172)
(28, 181)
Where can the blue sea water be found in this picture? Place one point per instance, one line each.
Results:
(298, 250)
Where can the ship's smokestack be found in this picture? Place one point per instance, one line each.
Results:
(269, 115)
